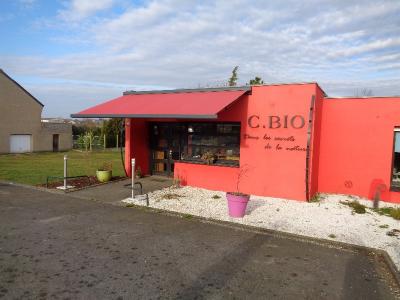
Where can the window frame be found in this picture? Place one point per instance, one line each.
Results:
(394, 188)
(233, 163)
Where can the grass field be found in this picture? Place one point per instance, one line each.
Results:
(33, 168)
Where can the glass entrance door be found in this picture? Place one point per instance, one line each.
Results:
(167, 142)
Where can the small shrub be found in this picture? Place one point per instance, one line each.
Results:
(352, 197)
(106, 166)
(332, 236)
(187, 216)
(395, 213)
(389, 211)
(357, 207)
(216, 197)
(130, 205)
(383, 211)
(316, 198)
(176, 183)
(384, 226)
(170, 196)
(139, 173)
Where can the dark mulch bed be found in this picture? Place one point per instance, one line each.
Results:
(78, 182)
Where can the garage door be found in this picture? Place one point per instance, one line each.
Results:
(20, 143)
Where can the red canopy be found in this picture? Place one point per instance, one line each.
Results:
(187, 104)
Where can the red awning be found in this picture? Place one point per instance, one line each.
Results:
(183, 104)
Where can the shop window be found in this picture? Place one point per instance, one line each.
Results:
(213, 143)
(396, 160)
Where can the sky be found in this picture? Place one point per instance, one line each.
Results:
(73, 54)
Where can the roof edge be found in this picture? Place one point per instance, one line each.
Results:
(144, 116)
(175, 91)
(360, 97)
(246, 88)
(295, 83)
(21, 87)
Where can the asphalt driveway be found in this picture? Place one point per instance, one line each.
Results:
(57, 246)
(114, 192)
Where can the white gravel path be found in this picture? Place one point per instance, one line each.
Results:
(321, 220)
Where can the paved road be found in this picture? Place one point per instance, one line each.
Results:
(58, 247)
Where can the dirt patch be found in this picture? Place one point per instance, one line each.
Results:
(78, 182)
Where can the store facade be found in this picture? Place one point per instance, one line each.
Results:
(288, 141)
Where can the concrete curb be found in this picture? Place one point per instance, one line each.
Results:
(56, 191)
(32, 187)
(281, 234)
(95, 185)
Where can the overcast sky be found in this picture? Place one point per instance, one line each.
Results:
(72, 54)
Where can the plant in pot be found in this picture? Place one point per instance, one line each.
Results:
(138, 173)
(104, 173)
(208, 157)
(237, 201)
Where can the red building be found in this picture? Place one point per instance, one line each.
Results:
(289, 141)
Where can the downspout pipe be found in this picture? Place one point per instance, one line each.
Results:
(308, 152)
(121, 131)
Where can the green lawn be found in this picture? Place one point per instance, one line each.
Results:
(33, 168)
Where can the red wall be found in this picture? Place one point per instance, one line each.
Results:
(356, 146)
(270, 172)
(210, 177)
(137, 145)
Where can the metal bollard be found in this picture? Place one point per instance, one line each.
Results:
(65, 170)
(133, 177)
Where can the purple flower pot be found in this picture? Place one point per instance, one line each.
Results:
(237, 204)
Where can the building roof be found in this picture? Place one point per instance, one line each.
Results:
(218, 89)
(21, 87)
(158, 103)
(175, 104)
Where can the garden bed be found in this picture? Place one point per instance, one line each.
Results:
(79, 183)
(329, 217)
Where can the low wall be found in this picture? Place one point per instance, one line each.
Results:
(217, 178)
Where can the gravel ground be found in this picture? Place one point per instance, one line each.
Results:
(328, 218)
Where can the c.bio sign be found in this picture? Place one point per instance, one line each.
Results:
(274, 142)
(274, 122)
